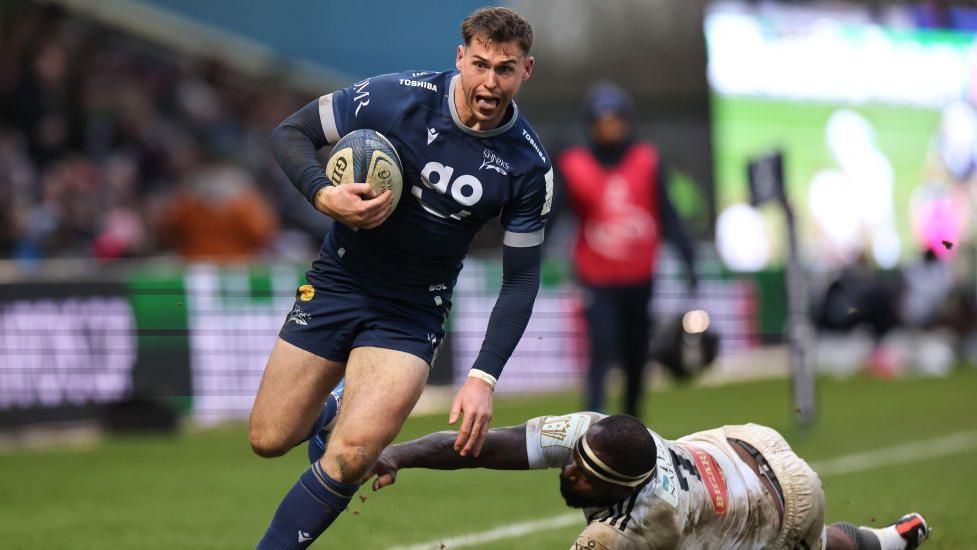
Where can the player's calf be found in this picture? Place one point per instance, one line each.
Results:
(270, 443)
(293, 387)
(381, 388)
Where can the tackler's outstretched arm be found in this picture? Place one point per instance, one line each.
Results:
(504, 449)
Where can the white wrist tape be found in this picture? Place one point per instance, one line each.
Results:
(484, 377)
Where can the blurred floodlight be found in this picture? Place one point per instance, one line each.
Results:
(741, 239)
(695, 321)
(849, 136)
(830, 203)
(856, 199)
(957, 139)
(886, 249)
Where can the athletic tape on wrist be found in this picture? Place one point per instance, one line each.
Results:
(598, 468)
(483, 376)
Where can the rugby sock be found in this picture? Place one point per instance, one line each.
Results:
(862, 538)
(866, 538)
(326, 415)
(307, 510)
(889, 537)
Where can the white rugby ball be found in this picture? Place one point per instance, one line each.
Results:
(366, 156)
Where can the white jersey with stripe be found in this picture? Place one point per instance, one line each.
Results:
(702, 494)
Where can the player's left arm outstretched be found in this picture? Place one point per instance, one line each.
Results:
(522, 256)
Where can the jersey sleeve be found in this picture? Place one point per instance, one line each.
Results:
(550, 439)
(524, 218)
(375, 103)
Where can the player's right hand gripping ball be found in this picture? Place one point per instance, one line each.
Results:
(366, 156)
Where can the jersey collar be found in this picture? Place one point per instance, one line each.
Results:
(478, 133)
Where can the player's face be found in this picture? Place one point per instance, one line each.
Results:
(609, 129)
(582, 490)
(491, 74)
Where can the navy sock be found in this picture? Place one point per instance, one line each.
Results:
(307, 510)
(317, 445)
(329, 410)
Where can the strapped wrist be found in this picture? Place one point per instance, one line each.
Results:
(484, 377)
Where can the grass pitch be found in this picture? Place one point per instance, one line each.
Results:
(206, 490)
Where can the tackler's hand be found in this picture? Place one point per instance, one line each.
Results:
(386, 471)
(355, 204)
(474, 401)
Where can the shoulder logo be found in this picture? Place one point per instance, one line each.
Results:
(493, 161)
(419, 84)
(548, 200)
(562, 431)
(304, 537)
(532, 142)
(432, 135)
(361, 96)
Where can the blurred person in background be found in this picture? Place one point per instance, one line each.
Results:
(927, 284)
(97, 127)
(218, 214)
(618, 188)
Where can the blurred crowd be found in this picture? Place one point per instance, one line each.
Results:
(921, 318)
(113, 147)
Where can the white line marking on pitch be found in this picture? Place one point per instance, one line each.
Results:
(509, 531)
(856, 462)
(908, 452)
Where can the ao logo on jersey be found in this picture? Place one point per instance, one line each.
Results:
(465, 189)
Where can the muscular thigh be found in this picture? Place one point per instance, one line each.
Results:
(293, 387)
(382, 387)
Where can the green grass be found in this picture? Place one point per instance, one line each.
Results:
(206, 490)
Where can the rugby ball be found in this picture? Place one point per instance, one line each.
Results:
(366, 156)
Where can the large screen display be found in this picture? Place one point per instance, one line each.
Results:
(876, 120)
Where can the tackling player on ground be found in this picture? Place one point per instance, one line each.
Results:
(380, 291)
(734, 487)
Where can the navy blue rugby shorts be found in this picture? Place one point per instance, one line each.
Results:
(337, 311)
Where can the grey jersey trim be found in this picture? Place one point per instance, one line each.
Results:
(328, 119)
(523, 240)
(478, 133)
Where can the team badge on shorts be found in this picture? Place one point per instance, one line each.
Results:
(299, 317)
(306, 292)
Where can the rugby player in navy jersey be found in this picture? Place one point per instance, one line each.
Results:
(378, 295)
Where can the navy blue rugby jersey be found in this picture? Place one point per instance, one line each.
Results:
(455, 179)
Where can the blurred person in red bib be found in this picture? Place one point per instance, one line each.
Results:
(617, 187)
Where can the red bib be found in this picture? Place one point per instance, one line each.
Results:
(617, 206)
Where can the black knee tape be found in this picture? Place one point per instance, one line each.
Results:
(864, 540)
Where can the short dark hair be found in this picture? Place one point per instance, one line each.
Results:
(498, 25)
(624, 443)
